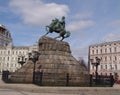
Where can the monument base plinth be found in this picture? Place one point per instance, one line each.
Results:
(56, 63)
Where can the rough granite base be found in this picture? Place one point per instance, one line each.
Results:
(55, 61)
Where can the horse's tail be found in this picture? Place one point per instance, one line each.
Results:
(67, 34)
(47, 28)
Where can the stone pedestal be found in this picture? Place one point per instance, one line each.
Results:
(24, 74)
(56, 62)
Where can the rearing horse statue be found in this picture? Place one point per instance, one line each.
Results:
(58, 27)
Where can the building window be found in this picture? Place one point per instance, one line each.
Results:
(101, 67)
(105, 58)
(92, 51)
(115, 58)
(115, 49)
(92, 67)
(97, 51)
(8, 58)
(101, 50)
(110, 67)
(8, 52)
(16, 52)
(115, 66)
(19, 52)
(105, 50)
(106, 67)
(110, 49)
(4, 58)
(13, 52)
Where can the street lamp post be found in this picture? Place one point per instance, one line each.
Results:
(34, 56)
(21, 60)
(96, 65)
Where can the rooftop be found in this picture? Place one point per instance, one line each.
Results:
(105, 43)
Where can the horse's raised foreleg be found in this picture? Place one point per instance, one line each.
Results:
(48, 30)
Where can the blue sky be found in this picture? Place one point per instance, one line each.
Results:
(89, 21)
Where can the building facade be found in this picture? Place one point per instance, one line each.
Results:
(9, 56)
(5, 36)
(109, 53)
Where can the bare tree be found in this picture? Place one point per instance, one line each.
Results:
(82, 62)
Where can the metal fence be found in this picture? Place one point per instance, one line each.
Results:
(102, 80)
(59, 79)
(5, 76)
(51, 79)
(66, 79)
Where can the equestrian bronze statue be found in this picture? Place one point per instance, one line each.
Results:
(58, 27)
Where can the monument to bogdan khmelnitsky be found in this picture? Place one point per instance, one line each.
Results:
(55, 61)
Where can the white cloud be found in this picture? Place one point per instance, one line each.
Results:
(115, 23)
(111, 37)
(36, 12)
(82, 16)
(79, 25)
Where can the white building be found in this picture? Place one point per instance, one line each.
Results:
(9, 56)
(109, 53)
(5, 36)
